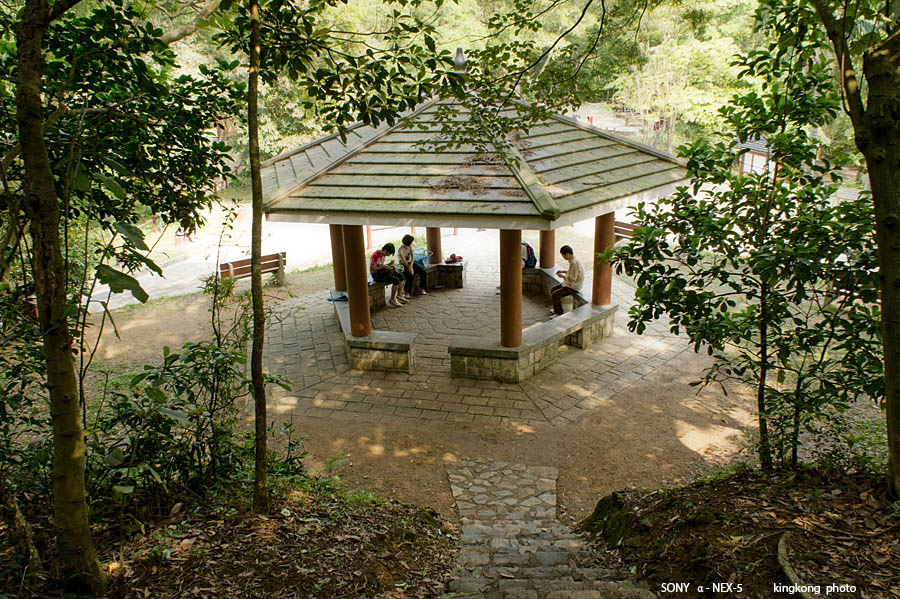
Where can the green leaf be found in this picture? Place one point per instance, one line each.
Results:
(123, 489)
(117, 166)
(82, 181)
(176, 415)
(119, 281)
(155, 394)
(133, 234)
(114, 458)
(113, 186)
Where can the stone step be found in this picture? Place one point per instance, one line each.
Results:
(528, 544)
(473, 531)
(566, 589)
(502, 573)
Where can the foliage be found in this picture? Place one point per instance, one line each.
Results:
(222, 289)
(24, 446)
(172, 430)
(762, 270)
(347, 76)
(125, 136)
(680, 81)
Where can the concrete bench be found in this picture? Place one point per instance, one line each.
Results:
(480, 358)
(382, 350)
(442, 274)
(376, 294)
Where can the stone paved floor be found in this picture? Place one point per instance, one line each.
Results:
(513, 546)
(305, 346)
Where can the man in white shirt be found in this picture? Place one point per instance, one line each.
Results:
(573, 277)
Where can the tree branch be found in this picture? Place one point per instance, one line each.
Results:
(60, 8)
(182, 32)
(836, 29)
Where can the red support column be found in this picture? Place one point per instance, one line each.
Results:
(604, 238)
(433, 240)
(369, 236)
(510, 288)
(357, 281)
(548, 251)
(337, 257)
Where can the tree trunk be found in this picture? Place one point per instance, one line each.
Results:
(260, 488)
(878, 138)
(70, 516)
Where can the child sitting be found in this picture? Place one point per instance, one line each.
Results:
(384, 272)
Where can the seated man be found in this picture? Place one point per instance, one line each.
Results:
(573, 277)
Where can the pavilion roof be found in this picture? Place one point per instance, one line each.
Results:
(565, 171)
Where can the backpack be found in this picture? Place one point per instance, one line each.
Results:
(530, 258)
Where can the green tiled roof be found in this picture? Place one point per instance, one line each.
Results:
(385, 175)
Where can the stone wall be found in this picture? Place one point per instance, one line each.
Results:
(584, 337)
(444, 275)
(369, 353)
(382, 350)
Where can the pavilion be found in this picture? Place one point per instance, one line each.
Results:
(561, 172)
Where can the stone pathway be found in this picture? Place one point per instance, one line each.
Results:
(513, 546)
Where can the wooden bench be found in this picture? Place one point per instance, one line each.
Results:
(623, 230)
(240, 269)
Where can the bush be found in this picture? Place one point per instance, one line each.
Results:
(25, 442)
(172, 430)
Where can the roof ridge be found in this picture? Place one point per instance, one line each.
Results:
(528, 179)
(282, 193)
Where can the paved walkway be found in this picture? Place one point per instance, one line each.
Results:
(513, 546)
(305, 346)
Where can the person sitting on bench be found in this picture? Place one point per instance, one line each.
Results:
(411, 268)
(573, 277)
(385, 273)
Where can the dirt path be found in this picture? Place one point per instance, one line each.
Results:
(655, 434)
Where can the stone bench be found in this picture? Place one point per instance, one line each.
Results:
(442, 274)
(382, 350)
(376, 294)
(480, 358)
